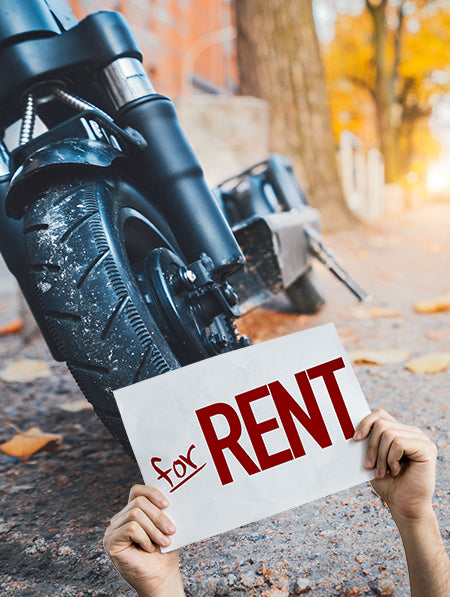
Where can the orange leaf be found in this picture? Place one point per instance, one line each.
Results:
(13, 327)
(439, 303)
(384, 312)
(378, 357)
(25, 370)
(25, 444)
(75, 406)
(433, 362)
(375, 312)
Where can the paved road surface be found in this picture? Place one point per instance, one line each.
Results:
(55, 507)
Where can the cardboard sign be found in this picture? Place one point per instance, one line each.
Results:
(247, 434)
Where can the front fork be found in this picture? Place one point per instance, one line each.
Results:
(170, 170)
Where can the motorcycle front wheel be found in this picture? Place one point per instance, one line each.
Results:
(82, 237)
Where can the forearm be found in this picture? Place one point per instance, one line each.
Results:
(428, 562)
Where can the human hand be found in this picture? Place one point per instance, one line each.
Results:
(132, 542)
(404, 460)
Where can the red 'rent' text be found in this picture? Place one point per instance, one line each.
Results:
(287, 408)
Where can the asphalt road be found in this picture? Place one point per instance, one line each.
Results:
(55, 507)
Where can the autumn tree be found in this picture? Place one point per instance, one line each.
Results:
(279, 61)
(397, 53)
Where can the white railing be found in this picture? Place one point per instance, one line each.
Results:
(362, 176)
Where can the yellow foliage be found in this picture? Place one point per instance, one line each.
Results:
(350, 68)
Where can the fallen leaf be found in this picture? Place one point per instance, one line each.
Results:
(439, 334)
(25, 444)
(378, 312)
(13, 327)
(75, 406)
(361, 312)
(432, 305)
(378, 357)
(25, 370)
(433, 362)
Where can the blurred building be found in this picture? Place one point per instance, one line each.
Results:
(188, 45)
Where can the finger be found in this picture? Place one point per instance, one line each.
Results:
(151, 493)
(145, 493)
(156, 524)
(124, 536)
(363, 428)
(153, 532)
(411, 449)
(395, 454)
(378, 428)
(159, 519)
(387, 438)
(394, 433)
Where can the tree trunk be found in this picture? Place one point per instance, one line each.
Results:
(279, 61)
(389, 123)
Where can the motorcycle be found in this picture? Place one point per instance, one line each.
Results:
(130, 264)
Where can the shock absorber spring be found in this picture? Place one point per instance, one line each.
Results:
(78, 103)
(29, 118)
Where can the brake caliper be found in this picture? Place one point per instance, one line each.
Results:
(195, 313)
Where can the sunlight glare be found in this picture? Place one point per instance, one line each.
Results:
(438, 179)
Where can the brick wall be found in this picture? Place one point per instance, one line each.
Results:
(175, 37)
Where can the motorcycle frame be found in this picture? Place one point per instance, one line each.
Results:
(42, 46)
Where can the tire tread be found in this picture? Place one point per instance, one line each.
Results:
(86, 304)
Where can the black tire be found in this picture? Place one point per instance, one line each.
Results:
(307, 294)
(79, 248)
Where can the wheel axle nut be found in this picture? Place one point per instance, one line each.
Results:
(189, 276)
(230, 295)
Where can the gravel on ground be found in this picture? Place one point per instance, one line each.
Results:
(55, 507)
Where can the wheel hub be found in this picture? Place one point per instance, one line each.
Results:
(194, 312)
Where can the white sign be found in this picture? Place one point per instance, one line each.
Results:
(247, 434)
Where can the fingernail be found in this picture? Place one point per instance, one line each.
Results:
(164, 502)
(171, 528)
(166, 540)
(368, 463)
(378, 473)
(357, 435)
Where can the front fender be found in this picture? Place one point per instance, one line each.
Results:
(39, 167)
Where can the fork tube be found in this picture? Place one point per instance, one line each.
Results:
(170, 169)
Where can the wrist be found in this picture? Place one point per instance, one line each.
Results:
(422, 517)
(171, 587)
